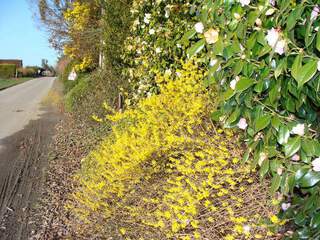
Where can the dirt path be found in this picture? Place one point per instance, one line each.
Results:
(23, 160)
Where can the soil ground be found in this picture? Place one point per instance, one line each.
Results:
(22, 168)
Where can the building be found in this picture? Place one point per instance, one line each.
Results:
(17, 62)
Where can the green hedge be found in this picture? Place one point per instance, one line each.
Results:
(75, 94)
(7, 70)
(30, 71)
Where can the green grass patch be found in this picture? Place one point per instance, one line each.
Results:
(6, 83)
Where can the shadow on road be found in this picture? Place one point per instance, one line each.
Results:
(22, 167)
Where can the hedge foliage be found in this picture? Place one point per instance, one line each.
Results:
(7, 70)
(262, 63)
(153, 43)
(28, 71)
(87, 94)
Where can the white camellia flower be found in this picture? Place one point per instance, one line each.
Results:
(298, 129)
(168, 72)
(213, 62)
(295, 157)
(246, 229)
(316, 164)
(279, 171)
(272, 2)
(273, 39)
(237, 16)
(314, 13)
(270, 11)
(318, 65)
(244, 2)
(167, 11)
(233, 83)
(147, 18)
(258, 22)
(285, 206)
(242, 124)
(199, 27)
(280, 46)
(152, 31)
(212, 36)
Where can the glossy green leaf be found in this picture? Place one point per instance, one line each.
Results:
(292, 146)
(300, 173)
(309, 147)
(306, 73)
(293, 17)
(262, 122)
(228, 94)
(310, 179)
(264, 168)
(246, 156)
(283, 134)
(315, 221)
(318, 41)
(234, 116)
(196, 48)
(190, 34)
(296, 67)
(275, 183)
(276, 123)
(280, 68)
(215, 116)
(243, 84)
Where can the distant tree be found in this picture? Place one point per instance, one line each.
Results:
(73, 27)
(45, 64)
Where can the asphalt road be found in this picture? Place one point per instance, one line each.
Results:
(21, 104)
(28, 116)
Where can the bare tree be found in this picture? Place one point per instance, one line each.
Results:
(49, 15)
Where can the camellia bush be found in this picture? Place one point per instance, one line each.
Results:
(263, 56)
(153, 45)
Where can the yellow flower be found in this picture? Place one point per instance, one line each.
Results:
(258, 236)
(122, 231)
(161, 224)
(197, 235)
(229, 237)
(274, 219)
(238, 228)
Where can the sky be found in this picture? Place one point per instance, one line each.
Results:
(20, 38)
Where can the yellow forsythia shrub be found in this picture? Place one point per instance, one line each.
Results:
(165, 172)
